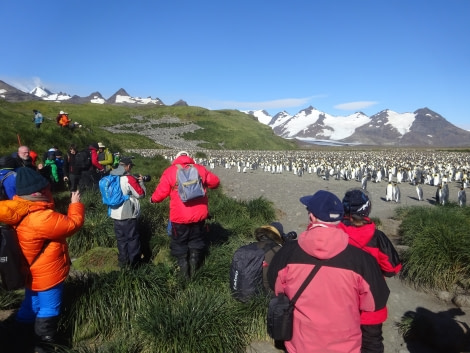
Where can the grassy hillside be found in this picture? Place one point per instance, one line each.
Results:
(227, 129)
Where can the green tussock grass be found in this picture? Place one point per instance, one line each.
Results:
(438, 256)
(151, 309)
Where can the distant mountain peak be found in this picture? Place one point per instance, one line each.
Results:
(424, 127)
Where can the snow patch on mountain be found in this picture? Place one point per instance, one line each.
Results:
(98, 100)
(401, 122)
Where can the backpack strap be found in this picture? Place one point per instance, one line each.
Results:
(179, 167)
(44, 246)
(6, 176)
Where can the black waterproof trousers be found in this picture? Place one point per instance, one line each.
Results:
(128, 242)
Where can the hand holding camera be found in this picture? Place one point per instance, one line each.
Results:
(144, 178)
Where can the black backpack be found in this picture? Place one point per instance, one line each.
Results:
(246, 270)
(3, 194)
(83, 160)
(14, 268)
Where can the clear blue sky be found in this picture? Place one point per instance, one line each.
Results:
(339, 56)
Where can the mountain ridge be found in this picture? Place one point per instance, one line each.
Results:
(423, 127)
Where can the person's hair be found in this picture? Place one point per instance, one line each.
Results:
(357, 220)
(73, 146)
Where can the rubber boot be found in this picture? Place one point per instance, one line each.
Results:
(22, 339)
(184, 267)
(46, 333)
(194, 261)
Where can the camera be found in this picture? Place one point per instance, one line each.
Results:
(290, 236)
(145, 178)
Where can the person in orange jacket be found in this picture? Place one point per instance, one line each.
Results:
(63, 119)
(42, 234)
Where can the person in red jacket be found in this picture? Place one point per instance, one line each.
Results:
(42, 234)
(187, 219)
(327, 313)
(364, 235)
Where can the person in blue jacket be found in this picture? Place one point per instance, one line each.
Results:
(8, 176)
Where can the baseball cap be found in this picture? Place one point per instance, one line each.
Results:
(126, 161)
(324, 205)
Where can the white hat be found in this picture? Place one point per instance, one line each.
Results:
(182, 153)
(100, 145)
(61, 112)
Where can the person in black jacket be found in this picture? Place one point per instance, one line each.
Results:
(72, 173)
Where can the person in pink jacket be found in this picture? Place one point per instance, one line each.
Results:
(327, 313)
(187, 218)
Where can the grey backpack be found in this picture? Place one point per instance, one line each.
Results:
(189, 183)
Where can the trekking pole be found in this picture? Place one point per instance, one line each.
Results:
(19, 139)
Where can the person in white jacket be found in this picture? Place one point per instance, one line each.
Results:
(125, 216)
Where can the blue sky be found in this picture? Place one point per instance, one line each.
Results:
(339, 56)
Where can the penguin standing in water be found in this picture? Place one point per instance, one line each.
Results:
(419, 191)
(462, 197)
(389, 192)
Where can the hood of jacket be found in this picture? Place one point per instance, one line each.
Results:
(358, 236)
(323, 241)
(13, 211)
(183, 160)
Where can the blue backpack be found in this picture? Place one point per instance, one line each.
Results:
(111, 192)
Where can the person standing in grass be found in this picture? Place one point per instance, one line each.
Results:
(105, 157)
(38, 119)
(71, 171)
(125, 216)
(188, 242)
(327, 313)
(364, 235)
(42, 234)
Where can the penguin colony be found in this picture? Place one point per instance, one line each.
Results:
(390, 167)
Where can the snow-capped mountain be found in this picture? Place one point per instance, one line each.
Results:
(47, 95)
(121, 96)
(386, 128)
(13, 94)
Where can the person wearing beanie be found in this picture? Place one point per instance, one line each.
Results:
(188, 243)
(363, 234)
(7, 177)
(349, 280)
(42, 234)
